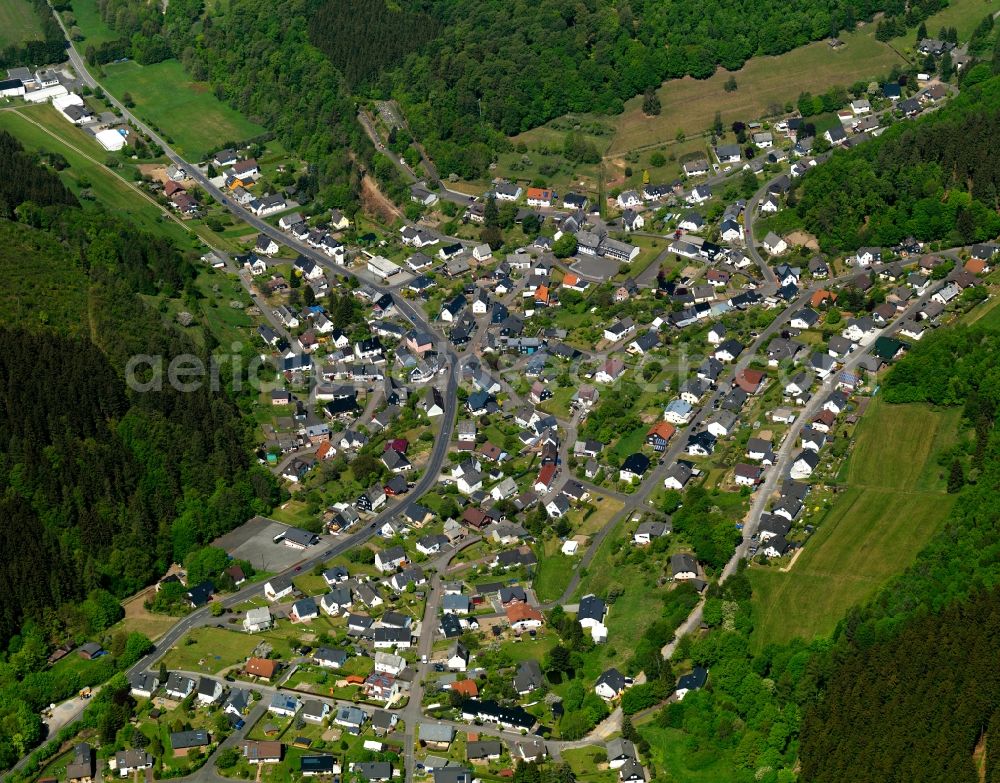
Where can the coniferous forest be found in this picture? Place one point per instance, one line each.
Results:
(913, 706)
(101, 488)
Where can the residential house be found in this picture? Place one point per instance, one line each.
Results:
(683, 566)
(329, 657)
(183, 742)
(262, 751)
(803, 464)
(691, 682)
(629, 199)
(612, 369)
(659, 435)
(304, 610)
(774, 244)
(390, 559)
(620, 751)
(649, 530)
(610, 684)
(130, 762)
(179, 686)
(634, 467)
(81, 768)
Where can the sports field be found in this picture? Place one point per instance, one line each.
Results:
(894, 502)
(690, 104)
(18, 23)
(187, 113)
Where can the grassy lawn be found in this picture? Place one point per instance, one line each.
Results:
(530, 649)
(545, 147)
(558, 403)
(88, 19)
(588, 524)
(187, 112)
(39, 128)
(691, 104)
(294, 512)
(18, 23)
(890, 430)
(963, 15)
(322, 681)
(585, 763)
(139, 619)
(554, 571)
(213, 650)
(873, 530)
(674, 154)
(637, 605)
(670, 751)
(631, 441)
(985, 314)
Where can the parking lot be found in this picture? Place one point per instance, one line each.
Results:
(390, 116)
(254, 542)
(596, 269)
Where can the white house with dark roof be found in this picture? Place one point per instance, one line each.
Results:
(610, 684)
(629, 199)
(774, 244)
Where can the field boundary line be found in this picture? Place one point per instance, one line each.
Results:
(130, 185)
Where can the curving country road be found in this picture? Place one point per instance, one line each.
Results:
(201, 617)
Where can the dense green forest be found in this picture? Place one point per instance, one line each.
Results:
(935, 179)
(363, 39)
(101, 488)
(912, 706)
(913, 656)
(510, 65)
(21, 180)
(467, 75)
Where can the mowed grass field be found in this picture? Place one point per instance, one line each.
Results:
(690, 105)
(894, 502)
(186, 112)
(18, 23)
(963, 15)
(896, 445)
(40, 128)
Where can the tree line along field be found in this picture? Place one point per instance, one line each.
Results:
(963, 15)
(689, 105)
(890, 508)
(88, 23)
(164, 94)
(18, 23)
(40, 128)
